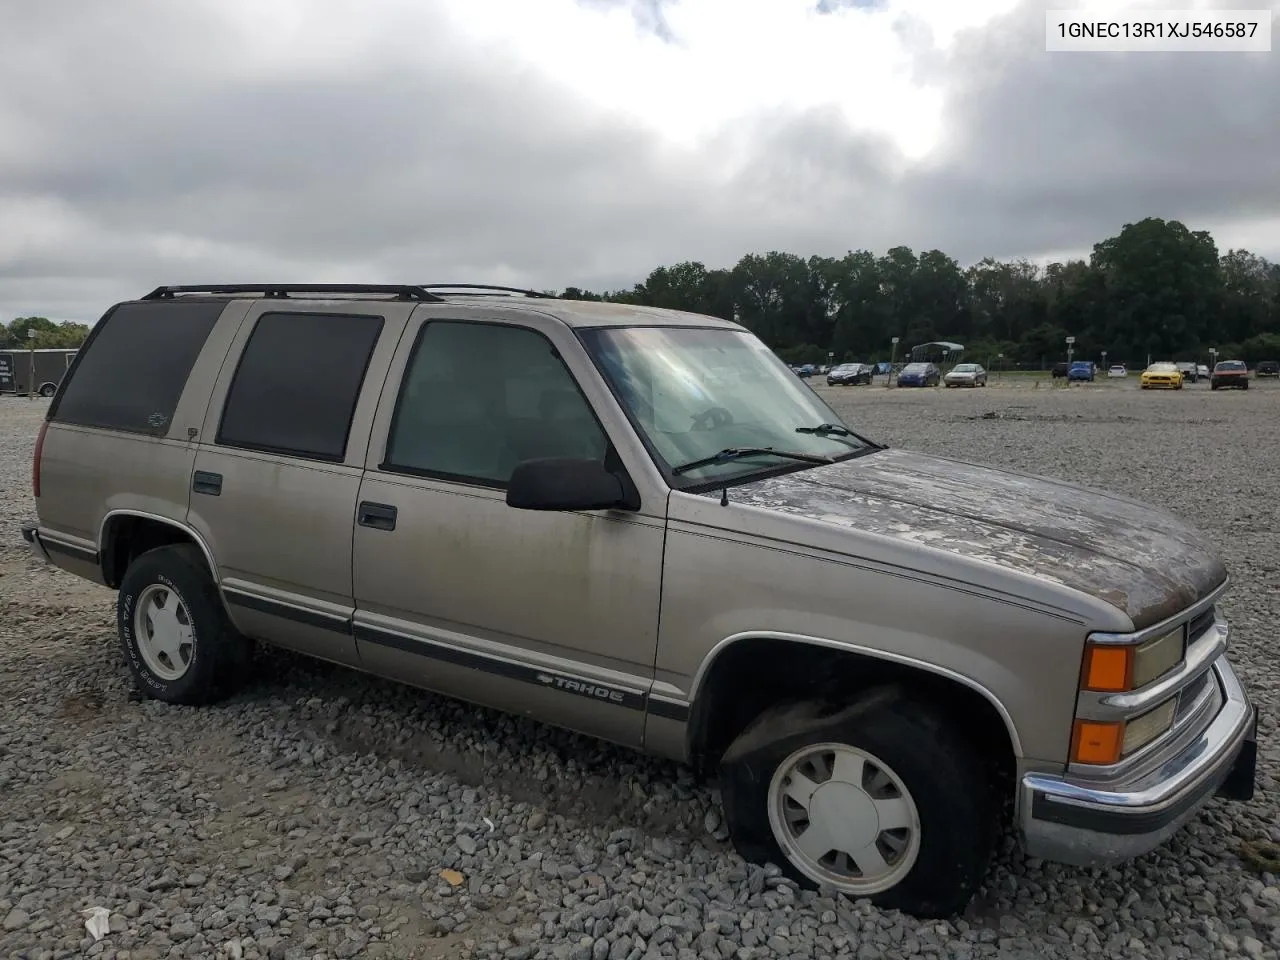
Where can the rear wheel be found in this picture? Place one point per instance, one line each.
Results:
(177, 639)
(48, 390)
(884, 800)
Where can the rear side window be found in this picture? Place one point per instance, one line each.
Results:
(295, 389)
(130, 373)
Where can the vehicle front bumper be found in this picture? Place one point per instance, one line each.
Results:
(1161, 382)
(1091, 825)
(31, 534)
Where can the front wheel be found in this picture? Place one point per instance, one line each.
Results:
(885, 800)
(48, 390)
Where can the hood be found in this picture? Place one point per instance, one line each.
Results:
(1138, 558)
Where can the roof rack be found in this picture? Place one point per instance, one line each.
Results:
(480, 289)
(284, 290)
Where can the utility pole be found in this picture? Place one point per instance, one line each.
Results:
(893, 356)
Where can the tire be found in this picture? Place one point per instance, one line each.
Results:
(944, 795)
(206, 660)
(48, 390)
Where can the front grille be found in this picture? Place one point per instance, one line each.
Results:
(1200, 624)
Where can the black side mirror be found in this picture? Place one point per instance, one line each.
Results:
(567, 484)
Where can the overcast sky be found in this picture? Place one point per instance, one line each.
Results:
(584, 142)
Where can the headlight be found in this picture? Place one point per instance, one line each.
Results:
(1140, 731)
(1101, 743)
(1119, 668)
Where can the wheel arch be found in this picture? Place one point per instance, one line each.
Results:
(718, 712)
(124, 533)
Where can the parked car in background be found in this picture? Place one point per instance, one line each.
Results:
(1189, 370)
(1082, 370)
(1117, 371)
(804, 370)
(1161, 375)
(849, 374)
(1230, 374)
(1059, 369)
(1267, 368)
(919, 375)
(966, 375)
(1202, 371)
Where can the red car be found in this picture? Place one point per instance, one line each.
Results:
(1229, 373)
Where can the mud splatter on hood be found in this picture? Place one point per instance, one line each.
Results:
(1139, 558)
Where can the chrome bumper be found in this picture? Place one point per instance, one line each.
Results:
(1092, 825)
(31, 534)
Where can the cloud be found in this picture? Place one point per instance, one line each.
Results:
(585, 142)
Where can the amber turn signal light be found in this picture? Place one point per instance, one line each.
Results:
(1107, 668)
(1097, 743)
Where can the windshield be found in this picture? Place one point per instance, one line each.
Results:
(693, 392)
(915, 368)
(1081, 363)
(1163, 368)
(845, 367)
(965, 368)
(1231, 365)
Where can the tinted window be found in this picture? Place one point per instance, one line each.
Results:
(131, 371)
(478, 398)
(296, 387)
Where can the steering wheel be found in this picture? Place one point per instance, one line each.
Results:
(712, 418)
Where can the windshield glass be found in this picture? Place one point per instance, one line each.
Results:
(1231, 365)
(964, 368)
(693, 392)
(914, 368)
(1163, 368)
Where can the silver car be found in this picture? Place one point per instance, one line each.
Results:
(966, 375)
(876, 652)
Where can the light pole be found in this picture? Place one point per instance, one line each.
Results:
(893, 357)
(1213, 358)
(999, 362)
(1104, 360)
(31, 343)
(1071, 341)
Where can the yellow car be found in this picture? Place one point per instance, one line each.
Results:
(1162, 376)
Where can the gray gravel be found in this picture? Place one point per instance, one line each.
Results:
(318, 814)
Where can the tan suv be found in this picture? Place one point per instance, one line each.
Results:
(639, 524)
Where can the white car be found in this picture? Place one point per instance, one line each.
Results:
(1117, 370)
(1202, 371)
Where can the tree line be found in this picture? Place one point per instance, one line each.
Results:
(1156, 289)
(14, 335)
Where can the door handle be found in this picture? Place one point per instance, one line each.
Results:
(379, 516)
(208, 483)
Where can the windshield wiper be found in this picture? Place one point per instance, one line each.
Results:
(834, 431)
(825, 428)
(729, 454)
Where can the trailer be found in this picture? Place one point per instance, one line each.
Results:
(50, 366)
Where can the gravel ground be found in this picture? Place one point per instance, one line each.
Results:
(325, 814)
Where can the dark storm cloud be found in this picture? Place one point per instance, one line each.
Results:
(140, 145)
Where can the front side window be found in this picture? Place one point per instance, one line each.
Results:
(479, 398)
(694, 392)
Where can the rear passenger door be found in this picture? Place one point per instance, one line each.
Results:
(550, 614)
(278, 466)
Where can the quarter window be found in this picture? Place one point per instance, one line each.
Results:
(130, 374)
(479, 398)
(295, 389)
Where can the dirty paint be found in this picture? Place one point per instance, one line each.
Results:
(1140, 559)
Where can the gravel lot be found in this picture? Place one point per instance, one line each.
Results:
(313, 815)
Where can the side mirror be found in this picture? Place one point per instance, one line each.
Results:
(567, 484)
